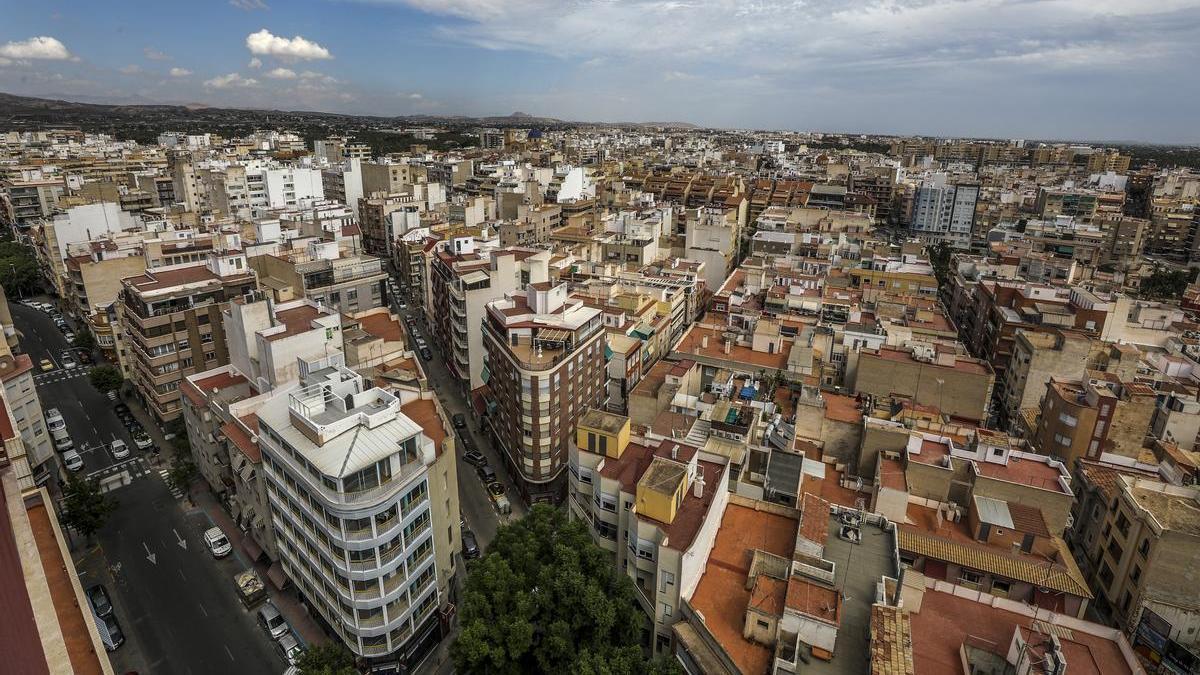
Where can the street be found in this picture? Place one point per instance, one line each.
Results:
(474, 502)
(176, 605)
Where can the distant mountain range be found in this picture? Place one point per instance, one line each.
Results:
(115, 110)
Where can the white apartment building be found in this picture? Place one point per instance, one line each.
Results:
(942, 211)
(362, 493)
(16, 372)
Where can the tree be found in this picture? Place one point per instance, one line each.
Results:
(19, 273)
(329, 658)
(84, 340)
(85, 508)
(547, 599)
(1163, 284)
(939, 258)
(182, 471)
(105, 378)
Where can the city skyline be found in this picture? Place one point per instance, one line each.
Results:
(1062, 70)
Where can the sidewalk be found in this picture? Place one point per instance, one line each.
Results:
(287, 603)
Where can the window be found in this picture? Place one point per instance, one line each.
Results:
(1123, 525)
(1001, 588)
(667, 611)
(1135, 574)
(970, 578)
(762, 624)
(1144, 549)
(668, 580)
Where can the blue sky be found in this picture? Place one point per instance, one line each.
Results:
(1082, 69)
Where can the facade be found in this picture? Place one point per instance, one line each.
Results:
(943, 211)
(363, 499)
(1036, 358)
(957, 385)
(322, 271)
(545, 366)
(20, 394)
(171, 320)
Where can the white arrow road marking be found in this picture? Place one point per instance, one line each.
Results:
(179, 540)
(150, 556)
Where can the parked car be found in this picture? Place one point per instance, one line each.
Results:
(72, 460)
(97, 596)
(119, 449)
(486, 473)
(475, 458)
(63, 444)
(46, 365)
(68, 363)
(69, 336)
(426, 354)
(460, 421)
(270, 620)
(218, 544)
(54, 420)
(110, 632)
(142, 441)
(289, 648)
(120, 408)
(495, 489)
(470, 546)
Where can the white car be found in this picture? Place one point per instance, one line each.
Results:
(119, 449)
(142, 441)
(69, 364)
(218, 543)
(72, 460)
(54, 420)
(63, 444)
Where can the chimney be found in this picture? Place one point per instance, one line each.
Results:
(675, 451)
(728, 345)
(704, 345)
(698, 486)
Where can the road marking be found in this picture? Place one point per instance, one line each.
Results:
(229, 653)
(150, 556)
(202, 610)
(180, 540)
(181, 575)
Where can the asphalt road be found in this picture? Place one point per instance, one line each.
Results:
(475, 504)
(179, 610)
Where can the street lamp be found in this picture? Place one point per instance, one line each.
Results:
(13, 267)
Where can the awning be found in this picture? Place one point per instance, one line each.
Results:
(277, 576)
(486, 374)
(251, 548)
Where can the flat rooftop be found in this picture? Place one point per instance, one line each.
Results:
(946, 621)
(722, 596)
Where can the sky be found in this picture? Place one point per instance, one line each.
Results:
(1039, 69)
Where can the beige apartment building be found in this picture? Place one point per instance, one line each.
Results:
(171, 321)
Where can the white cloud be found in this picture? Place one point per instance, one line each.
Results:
(265, 44)
(255, 63)
(41, 47)
(5, 62)
(229, 81)
(249, 5)
(282, 74)
(180, 72)
(130, 69)
(156, 55)
(313, 76)
(415, 96)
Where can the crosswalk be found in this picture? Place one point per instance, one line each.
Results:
(58, 376)
(123, 473)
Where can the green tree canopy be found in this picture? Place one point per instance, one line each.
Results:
(85, 508)
(84, 340)
(19, 273)
(1163, 284)
(328, 658)
(547, 599)
(105, 378)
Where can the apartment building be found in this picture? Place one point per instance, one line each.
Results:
(957, 385)
(654, 506)
(712, 236)
(28, 200)
(171, 323)
(1149, 547)
(1096, 415)
(463, 279)
(378, 225)
(53, 236)
(1062, 202)
(363, 499)
(1036, 358)
(943, 211)
(25, 407)
(321, 270)
(545, 366)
